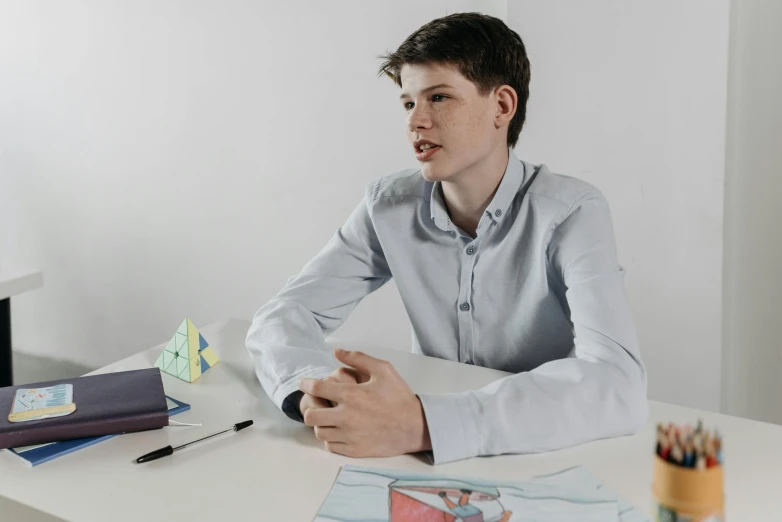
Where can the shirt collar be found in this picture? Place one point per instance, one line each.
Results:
(437, 207)
(498, 207)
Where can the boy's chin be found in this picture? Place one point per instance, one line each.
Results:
(432, 173)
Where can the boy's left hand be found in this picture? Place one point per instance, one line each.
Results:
(379, 417)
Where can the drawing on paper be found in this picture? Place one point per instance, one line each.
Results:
(443, 500)
(375, 495)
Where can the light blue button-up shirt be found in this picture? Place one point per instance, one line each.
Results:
(538, 292)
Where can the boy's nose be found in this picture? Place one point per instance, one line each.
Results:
(419, 119)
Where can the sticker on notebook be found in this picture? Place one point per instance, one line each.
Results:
(42, 403)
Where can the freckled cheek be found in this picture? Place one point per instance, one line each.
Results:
(461, 129)
(478, 128)
(451, 127)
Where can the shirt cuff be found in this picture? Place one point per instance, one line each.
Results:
(290, 406)
(453, 426)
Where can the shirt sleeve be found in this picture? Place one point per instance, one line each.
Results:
(286, 340)
(290, 406)
(598, 391)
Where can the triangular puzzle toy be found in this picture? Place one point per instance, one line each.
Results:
(187, 355)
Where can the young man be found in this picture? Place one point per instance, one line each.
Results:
(499, 263)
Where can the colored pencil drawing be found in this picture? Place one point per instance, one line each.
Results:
(433, 500)
(374, 495)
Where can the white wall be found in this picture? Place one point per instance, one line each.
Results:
(753, 241)
(168, 159)
(630, 95)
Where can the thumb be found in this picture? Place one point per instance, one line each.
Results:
(360, 361)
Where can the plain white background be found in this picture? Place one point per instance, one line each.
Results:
(630, 96)
(164, 160)
(753, 240)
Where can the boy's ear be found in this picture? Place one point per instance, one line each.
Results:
(506, 103)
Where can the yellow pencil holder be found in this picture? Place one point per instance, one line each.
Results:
(687, 494)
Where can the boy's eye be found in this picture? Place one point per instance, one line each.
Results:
(435, 98)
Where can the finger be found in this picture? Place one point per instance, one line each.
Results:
(335, 378)
(359, 377)
(340, 376)
(346, 375)
(326, 417)
(362, 362)
(340, 448)
(308, 401)
(323, 388)
(329, 434)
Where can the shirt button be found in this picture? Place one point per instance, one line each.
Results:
(464, 307)
(470, 250)
(498, 212)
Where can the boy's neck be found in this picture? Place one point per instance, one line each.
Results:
(467, 196)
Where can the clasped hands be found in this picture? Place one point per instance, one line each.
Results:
(365, 410)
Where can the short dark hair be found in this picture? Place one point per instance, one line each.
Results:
(484, 50)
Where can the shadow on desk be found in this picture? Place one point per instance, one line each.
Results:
(20, 513)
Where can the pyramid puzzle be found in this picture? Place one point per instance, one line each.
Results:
(187, 355)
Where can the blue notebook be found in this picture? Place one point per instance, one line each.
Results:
(34, 455)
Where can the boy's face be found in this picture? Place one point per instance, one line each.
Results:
(445, 109)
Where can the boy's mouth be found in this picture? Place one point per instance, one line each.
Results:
(423, 155)
(425, 149)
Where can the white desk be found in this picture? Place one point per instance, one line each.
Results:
(276, 470)
(13, 281)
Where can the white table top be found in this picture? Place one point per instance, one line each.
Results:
(15, 280)
(277, 470)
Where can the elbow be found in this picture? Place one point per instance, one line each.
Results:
(635, 405)
(627, 410)
(638, 414)
(631, 390)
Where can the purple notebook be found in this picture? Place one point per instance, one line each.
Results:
(104, 404)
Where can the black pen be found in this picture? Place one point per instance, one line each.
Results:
(168, 450)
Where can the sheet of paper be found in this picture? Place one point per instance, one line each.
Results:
(579, 477)
(377, 494)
